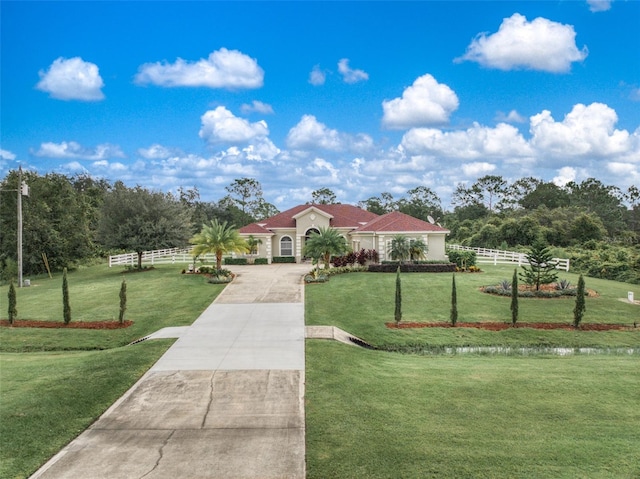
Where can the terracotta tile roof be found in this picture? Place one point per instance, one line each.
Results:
(397, 222)
(254, 228)
(343, 216)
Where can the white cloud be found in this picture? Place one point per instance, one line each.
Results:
(350, 75)
(310, 134)
(155, 152)
(565, 175)
(73, 150)
(426, 102)
(223, 68)
(503, 141)
(635, 94)
(7, 155)
(323, 169)
(587, 131)
(475, 170)
(512, 117)
(72, 79)
(599, 5)
(257, 107)
(222, 126)
(537, 45)
(317, 76)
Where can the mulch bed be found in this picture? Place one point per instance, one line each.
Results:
(494, 326)
(24, 323)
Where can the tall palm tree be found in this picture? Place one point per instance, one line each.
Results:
(324, 243)
(399, 249)
(218, 238)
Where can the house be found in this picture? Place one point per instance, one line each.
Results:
(285, 233)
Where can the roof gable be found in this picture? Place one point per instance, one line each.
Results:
(397, 222)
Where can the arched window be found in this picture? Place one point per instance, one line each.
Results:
(286, 246)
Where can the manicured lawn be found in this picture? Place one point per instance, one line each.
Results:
(377, 414)
(55, 382)
(361, 303)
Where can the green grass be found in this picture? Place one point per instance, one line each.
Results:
(378, 415)
(155, 299)
(56, 382)
(50, 398)
(361, 303)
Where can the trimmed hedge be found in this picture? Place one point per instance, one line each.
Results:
(413, 268)
(283, 259)
(237, 261)
(261, 261)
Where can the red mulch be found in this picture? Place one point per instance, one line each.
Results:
(494, 326)
(60, 324)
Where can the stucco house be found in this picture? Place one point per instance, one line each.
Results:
(285, 233)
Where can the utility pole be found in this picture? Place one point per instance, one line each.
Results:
(20, 227)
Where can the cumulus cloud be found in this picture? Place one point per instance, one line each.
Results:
(599, 5)
(155, 152)
(537, 45)
(565, 175)
(72, 79)
(230, 69)
(426, 102)
(317, 76)
(586, 131)
(7, 155)
(512, 117)
(310, 134)
(350, 75)
(222, 126)
(257, 107)
(73, 150)
(475, 170)
(473, 143)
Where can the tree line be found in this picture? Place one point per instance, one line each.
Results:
(72, 219)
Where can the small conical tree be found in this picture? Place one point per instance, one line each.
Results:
(123, 300)
(66, 308)
(454, 302)
(542, 268)
(514, 297)
(398, 312)
(13, 309)
(580, 308)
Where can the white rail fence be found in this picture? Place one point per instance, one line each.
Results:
(495, 256)
(161, 256)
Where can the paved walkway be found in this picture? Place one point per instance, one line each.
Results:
(225, 401)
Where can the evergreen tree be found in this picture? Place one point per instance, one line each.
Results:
(542, 268)
(66, 308)
(580, 308)
(398, 312)
(514, 297)
(454, 302)
(123, 301)
(13, 311)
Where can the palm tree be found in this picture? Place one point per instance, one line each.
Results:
(253, 243)
(324, 243)
(218, 238)
(399, 250)
(417, 249)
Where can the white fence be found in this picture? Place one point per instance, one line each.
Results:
(495, 256)
(161, 256)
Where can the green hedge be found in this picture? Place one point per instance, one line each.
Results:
(283, 259)
(413, 268)
(261, 261)
(238, 261)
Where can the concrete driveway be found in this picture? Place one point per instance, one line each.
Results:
(225, 401)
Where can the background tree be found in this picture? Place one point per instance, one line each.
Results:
(604, 201)
(323, 196)
(13, 308)
(123, 301)
(324, 243)
(379, 204)
(514, 297)
(489, 191)
(219, 239)
(545, 194)
(421, 203)
(453, 316)
(541, 268)
(398, 311)
(66, 305)
(136, 219)
(580, 307)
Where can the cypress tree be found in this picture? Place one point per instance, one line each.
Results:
(66, 308)
(13, 311)
(514, 297)
(398, 313)
(580, 308)
(454, 302)
(123, 300)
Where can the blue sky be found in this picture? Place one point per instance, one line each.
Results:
(359, 97)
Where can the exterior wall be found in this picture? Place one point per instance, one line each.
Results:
(275, 241)
(437, 249)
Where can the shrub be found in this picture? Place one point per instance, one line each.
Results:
(261, 261)
(463, 259)
(123, 301)
(514, 297)
(563, 284)
(454, 302)
(283, 259)
(412, 268)
(236, 261)
(312, 278)
(580, 308)
(398, 311)
(66, 307)
(13, 310)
